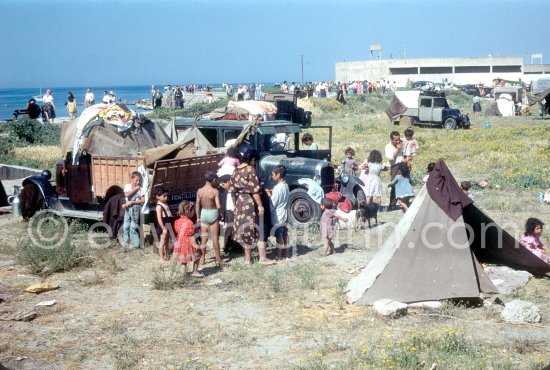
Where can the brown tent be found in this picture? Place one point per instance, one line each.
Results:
(435, 250)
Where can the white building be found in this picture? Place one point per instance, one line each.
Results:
(457, 71)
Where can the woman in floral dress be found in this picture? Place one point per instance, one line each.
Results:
(244, 188)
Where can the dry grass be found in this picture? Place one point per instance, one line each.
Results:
(40, 153)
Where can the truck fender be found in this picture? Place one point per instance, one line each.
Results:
(43, 185)
(353, 184)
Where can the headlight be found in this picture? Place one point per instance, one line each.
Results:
(345, 178)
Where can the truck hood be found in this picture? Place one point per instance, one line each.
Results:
(299, 167)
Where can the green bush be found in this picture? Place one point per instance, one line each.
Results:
(52, 245)
(33, 132)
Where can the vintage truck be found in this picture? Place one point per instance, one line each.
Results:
(279, 143)
(425, 108)
(99, 156)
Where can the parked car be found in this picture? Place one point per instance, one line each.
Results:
(425, 108)
(279, 143)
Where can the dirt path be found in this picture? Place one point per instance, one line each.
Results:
(243, 317)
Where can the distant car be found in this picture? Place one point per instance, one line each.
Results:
(420, 84)
(425, 108)
(476, 90)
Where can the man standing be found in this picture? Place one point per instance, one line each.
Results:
(394, 153)
(49, 106)
(89, 99)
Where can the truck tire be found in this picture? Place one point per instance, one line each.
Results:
(30, 201)
(302, 209)
(405, 121)
(450, 123)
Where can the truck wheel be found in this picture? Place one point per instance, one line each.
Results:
(450, 123)
(302, 209)
(30, 201)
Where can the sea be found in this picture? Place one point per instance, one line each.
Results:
(12, 99)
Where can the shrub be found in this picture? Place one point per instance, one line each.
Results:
(52, 245)
(167, 277)
(33, 132)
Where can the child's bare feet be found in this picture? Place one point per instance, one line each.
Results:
(268, 262)
(197, 274)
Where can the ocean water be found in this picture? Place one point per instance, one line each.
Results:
(12, 99)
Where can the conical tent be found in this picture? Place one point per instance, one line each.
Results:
(435, 250)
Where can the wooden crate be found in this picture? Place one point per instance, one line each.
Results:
(110, 171)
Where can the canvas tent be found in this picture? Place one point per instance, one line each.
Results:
(435, 250)
(401, 101)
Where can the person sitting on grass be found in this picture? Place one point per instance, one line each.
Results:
(185, 248)
(532, 238)
(465, 186)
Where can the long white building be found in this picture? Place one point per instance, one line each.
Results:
(458, 71)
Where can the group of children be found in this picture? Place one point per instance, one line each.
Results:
(372, 166)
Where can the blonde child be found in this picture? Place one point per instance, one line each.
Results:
(185, 248)
(132, 207)
(328, 231)
(349, 165)
(164, 222)
(229, 162)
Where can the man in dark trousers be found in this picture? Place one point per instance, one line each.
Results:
(394, 153)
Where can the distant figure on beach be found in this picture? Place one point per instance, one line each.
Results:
(112, 97)
(167, 97)
(33, 109)
(158, 99)
(49, 106)
(153, 92)
(89, 99)
(179, 97)
(106, 98)
(71, 105)
(252, 92)
(258, 91)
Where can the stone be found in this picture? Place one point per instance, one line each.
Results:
(389, 307)
(520, 312)
(506, 279)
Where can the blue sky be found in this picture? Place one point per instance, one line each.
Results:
(80, 42)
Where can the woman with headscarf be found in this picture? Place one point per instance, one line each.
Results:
(71, 105)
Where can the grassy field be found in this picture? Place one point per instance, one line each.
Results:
(121, 309)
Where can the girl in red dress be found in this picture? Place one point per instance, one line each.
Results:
(185, 249)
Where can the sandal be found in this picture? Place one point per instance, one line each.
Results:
(268, 262)
(197, 274)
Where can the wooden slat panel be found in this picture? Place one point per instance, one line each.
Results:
(182, 177)
(110, 171)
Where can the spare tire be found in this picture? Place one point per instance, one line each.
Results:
(302, 209)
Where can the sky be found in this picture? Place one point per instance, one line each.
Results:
(137, 42)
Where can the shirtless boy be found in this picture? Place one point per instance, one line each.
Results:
(208, 213)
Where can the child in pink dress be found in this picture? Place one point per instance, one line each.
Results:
(184, 248)
(229, 162)
(328, 231)
(531, 239)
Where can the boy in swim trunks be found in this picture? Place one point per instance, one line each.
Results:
(208, 213)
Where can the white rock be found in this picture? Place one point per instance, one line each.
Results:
(506, 279)
(520, 312)
(47, 303)
(388, 307)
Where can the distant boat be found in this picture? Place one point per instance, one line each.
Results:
(38, 98)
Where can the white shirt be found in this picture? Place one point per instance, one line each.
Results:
(89, 97)
(128, 187)
(393, 157)
(278, 203)
(47, 99)
(106, 99)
